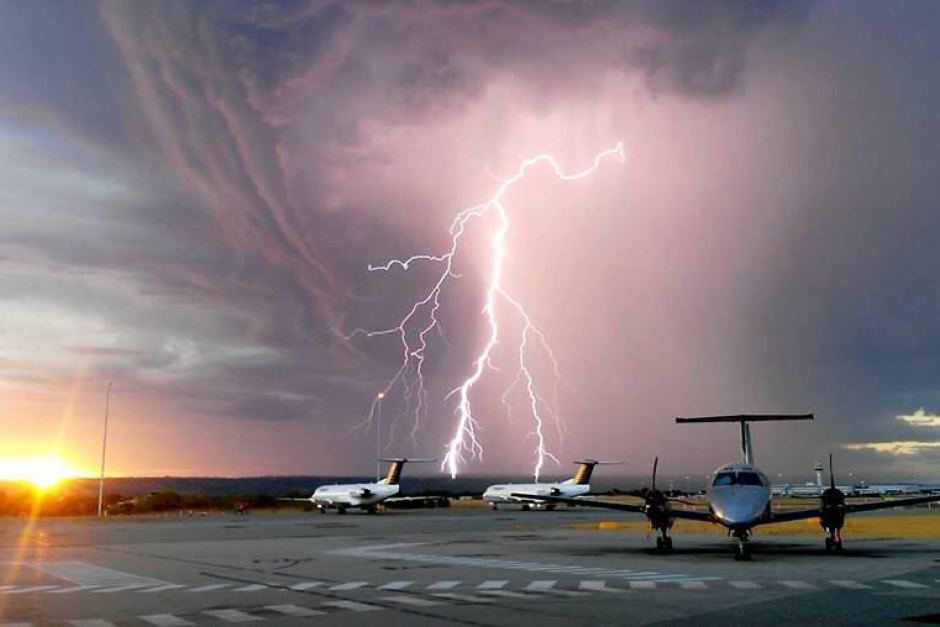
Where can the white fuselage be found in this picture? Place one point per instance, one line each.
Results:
(739, 495)
(353, 494)
(502, 493)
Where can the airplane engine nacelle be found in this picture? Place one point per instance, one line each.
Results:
(832, 510)
(365, 493)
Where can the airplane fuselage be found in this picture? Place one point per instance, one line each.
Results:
(502, 493)
(739, 496)
(352, 495)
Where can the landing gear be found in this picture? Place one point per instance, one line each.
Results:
(494, 506)
(742, 551)
(834, 540)
(664, 542)
(371, 509)
(321, 509)
(525, 507)
(549, 507)
(341, 509)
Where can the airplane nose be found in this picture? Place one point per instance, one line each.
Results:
(738, 509)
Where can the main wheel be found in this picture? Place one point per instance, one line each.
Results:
(494, 506)
(341, 509)
(829, 544)
(667, 543)
(525, 507)
(659, 543)
(550, 507)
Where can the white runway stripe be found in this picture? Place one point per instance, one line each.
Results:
(82, 574)
(397, 585)
(306, 585)
(444, 585)
(492, 584)
(642, 585)
(29, 589)
(232, 616)
(133, 586)
(165, 620)
(903, 583)
(210, 587)
(351, 585)
(596, 586)
(468, 598)
(405, 599)
(745, 585)
(850, 584)
(566, 593)
(541, 584)
(353, 606)
(72, 589)
(251, 588)
(169, 586)
(693, 585)
(294, 610)
(796, 584)
(509, 594)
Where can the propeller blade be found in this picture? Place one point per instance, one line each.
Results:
(832, 474)
(655, 464)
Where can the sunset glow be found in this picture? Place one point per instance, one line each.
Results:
(41, 472)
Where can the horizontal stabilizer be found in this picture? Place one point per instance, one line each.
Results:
(748, 418)
(595, 462)
(410, 460)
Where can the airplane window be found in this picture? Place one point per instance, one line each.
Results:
(749, 478)
(724, 478)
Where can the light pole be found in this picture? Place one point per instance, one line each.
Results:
(378, 435)
(104, 448)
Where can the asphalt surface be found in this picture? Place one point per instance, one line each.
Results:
(444, 567)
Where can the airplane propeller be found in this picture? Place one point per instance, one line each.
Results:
(832, 511)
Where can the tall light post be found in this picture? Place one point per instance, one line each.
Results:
(378, 436)
(104, 449)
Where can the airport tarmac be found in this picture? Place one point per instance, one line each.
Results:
(452, 566)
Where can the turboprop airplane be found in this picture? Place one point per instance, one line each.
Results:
(739, 498)
(578, 485)
(366, 496)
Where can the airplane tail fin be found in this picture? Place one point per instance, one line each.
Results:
(395, 464)
(747, 451)
(585, 469)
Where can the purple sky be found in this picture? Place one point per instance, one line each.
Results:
(190, 196)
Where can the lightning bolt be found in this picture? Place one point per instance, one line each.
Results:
(417, 325)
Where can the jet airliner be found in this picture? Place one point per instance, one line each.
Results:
(577, 485)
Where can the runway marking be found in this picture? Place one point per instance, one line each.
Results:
(294, 610)
(745, 585)
(469, 598)
(444, 585)
(567, 593)
(306, 585)
(29, 589)
(232, 616)
(397, 585)
(692, 585)
(851, 585)
(211, 586)
(165, 620)
(251, 588)
(83, 574)
(72, 589)
(492, 584)
(391, 552)
(796, 584)
(508, 594)
(353, 606)
(597, 586)
(404, 599)
(169, 586)
(351, 585)
(133, 586)
(91, 622)
(541, 585)
(903, 583)
(642, 585)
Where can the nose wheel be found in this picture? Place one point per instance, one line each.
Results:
(742, 551)
(663, 542)
(834, 540)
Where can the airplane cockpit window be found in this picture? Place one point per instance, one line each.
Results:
(737, 478)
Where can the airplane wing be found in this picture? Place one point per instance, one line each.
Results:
(801, 514)
(621, 507)
(298, 499)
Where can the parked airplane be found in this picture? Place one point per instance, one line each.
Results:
(365, 496)
(578, 485)
(740, 498)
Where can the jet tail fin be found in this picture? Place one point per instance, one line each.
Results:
(585, 469)
(395, 465)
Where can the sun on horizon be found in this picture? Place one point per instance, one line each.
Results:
(43, 472)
